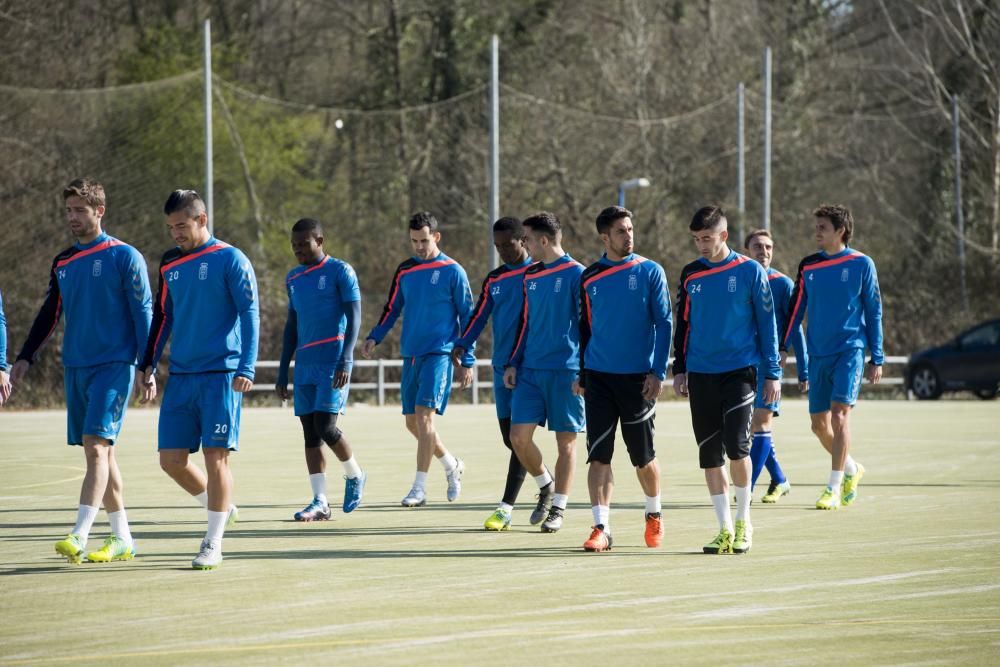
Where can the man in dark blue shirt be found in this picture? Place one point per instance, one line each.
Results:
(501, 299)
(4, 375)
(725, 329)
(624, 343)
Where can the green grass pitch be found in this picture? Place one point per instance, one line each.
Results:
(910, 574)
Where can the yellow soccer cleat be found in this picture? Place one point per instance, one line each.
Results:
(775, 491)
(722, 544)
(115, 548)
(829, 500)
(71, 548)
(499, 520)
(743, 538)
(850, 492)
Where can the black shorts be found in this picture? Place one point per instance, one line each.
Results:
(611, 397)
(721, 410)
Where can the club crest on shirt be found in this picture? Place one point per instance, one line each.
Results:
(203, 271)
(844, 275)
(558, 285)
(633, 282)
(96, 269)
(435, 277)
(322, 283)
(732, 284)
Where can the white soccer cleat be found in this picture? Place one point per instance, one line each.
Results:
(209, 556)
(455, 480)
(417, 497)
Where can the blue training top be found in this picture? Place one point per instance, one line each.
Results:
(841, 297)
(626, 320)
(103, 289)
(502, 296)
(208, 299)
(548, 332)
(438, 303)
(781, 290)
(3, 337)
(725, 318)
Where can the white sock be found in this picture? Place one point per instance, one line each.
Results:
(722, 512)
(201, 499)
(351, 468)
(216, 526)
(653, 504)
(119, 525)
(836, 479)
(85, 515)
(742, 503)
(602, 517)
(543, 480)
(317, 481)
(420, 480)
(507, 508)
(449, 462)
(850, 466)
(559, 500)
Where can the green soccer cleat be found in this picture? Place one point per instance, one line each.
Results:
(743, 538)
(234, 516)
(722, 544)
(71, 548)
(850, 491)
(499, 520)
(115, 548)
(829, 500)
(775, 491)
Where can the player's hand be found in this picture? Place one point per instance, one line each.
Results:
(804, 386)
(651, 387)
(368, 348)
(464, 376)
(681, 384)
(577, 389)
(17, 371)
(281, 391)
(456, 356)
(874, 373)
(510, 377)
(145, 385)
(242, 384)
(341, 378)
(5, 387)
(772, 391)
(782, 358)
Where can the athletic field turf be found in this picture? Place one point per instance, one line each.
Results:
(908, 575)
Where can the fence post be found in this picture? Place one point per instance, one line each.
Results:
(475, 384)
(381, 382)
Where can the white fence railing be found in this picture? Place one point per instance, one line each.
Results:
(380, 385)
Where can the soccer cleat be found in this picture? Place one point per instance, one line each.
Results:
(417, 497)
(209, 556)
(553, 521)
(598, 540)
(544, 504)
(71, 548)
(234, 516)
(722, 544)
(850, 492)
(499, 520)
(829, 500)
(743, 538)
(455, 481)
(775, 491)
(115, 548)
(654, 530)
(317, 510)
(354, 489)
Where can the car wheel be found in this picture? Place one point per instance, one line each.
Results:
(986, 394)
(925, 383)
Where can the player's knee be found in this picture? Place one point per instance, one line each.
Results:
(172, 466)
(838, 420)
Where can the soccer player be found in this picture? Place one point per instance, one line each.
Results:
(207, 298)
(4, 374)
(544, 364)
(502, 297)
(624, 344)
(837, 291)
(760, 245)
(324, 316)
(435, 291)
(102, 287)
(725, 330)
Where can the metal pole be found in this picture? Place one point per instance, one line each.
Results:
(741, 193)
(494, 146)
(621, 196)
(209, 198)
(959, 219)
(767, 138)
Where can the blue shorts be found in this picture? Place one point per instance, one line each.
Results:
(314, 391)
(426, 382)
(542, 396)
(501, 394)
(200, 409)
(758, 402)
(96, 399)
(836, 377)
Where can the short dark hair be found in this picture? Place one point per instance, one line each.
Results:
(839, 216)
(607, 217)
(544, 223)
(188, 201)
(757, 232)
(308, 225)
(707, 217)
(510, 224)
(423, 219)
(87, 189)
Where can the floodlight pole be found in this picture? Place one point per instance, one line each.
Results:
(494, 146)
(767, 138)
(628, 185)
(959, 218)
(209, 178)
(741, 194)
